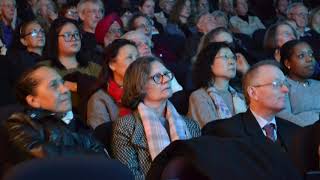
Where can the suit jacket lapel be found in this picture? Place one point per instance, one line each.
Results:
(138, 137)
(283, 133)
(251, 125)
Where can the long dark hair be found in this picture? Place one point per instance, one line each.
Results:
(52, 47)
(111, 51)
(202, 73)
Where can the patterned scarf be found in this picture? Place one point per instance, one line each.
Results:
(116, 92)
(158, 137)
(222, 109)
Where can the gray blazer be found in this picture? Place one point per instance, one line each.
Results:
(101, 108)
(129, 143)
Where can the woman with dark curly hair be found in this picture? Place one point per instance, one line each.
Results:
(214, 97)
(154, 122)
(302, 105)
(105, 104)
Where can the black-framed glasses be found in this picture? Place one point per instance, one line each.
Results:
(159, 78)
(35, 33)
(227, 57)
(68, 36)
(277, 84)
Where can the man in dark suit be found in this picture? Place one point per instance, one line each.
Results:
(265, 88)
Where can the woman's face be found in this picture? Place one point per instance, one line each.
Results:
(34, 36)
(69, 41)
(301, 63)
(226, 6)
(284, 33)
(186, 9)
(114, 32)
(224, 64)
(126, 55)
(50, 94)
(148, 8)
(158, 87)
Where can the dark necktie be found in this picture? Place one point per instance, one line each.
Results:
(269, 128)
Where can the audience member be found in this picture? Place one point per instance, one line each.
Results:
(226, 6)
(69, 11)
(109, 29)
(281, 9)
(47, 127)
(46, 13)
(242, 22)
(277, 35)
(215, 98)
(8, 23)
(63, 46)
(139, 137)
(105, 104)
(90, 13)
(302, 105)
(298, 12)
(179, 21)
(314, 39)
(264, 87)
(146, 7)
(142, 42)
(32, 38)
(166, 7)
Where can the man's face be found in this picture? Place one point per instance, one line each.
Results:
(282, 6)
(242, 7)
(92, 15)
(300, 15)
(267, 90)
(8, 8)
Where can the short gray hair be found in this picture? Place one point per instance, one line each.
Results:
(293, 6)
(81, 5)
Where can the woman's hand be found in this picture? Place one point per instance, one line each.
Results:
(242, 64)
(72, 86)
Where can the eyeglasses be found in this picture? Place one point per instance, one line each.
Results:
(96, 11)
(275, 84)
(226, 57)
(35, 33)
(68, 36)
(301, 14)
(72, 13)
(305, 54)
(115, 31)
(159, 78)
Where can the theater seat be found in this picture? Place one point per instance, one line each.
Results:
(70, 168)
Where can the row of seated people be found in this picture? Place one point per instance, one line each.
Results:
(48, 127)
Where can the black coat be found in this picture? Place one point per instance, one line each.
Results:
(39, 132)
(245, 125)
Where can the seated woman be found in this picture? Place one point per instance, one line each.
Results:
(215, 98)
(64, 43)
(302, 102)
(179, 21)
(105, 104)
(154, 122)
(47, 128)
(277, 35)
(32, 39)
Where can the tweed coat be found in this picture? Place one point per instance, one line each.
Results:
(129, 143)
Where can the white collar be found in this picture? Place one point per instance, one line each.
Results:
(262, 122)
(67, 117)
